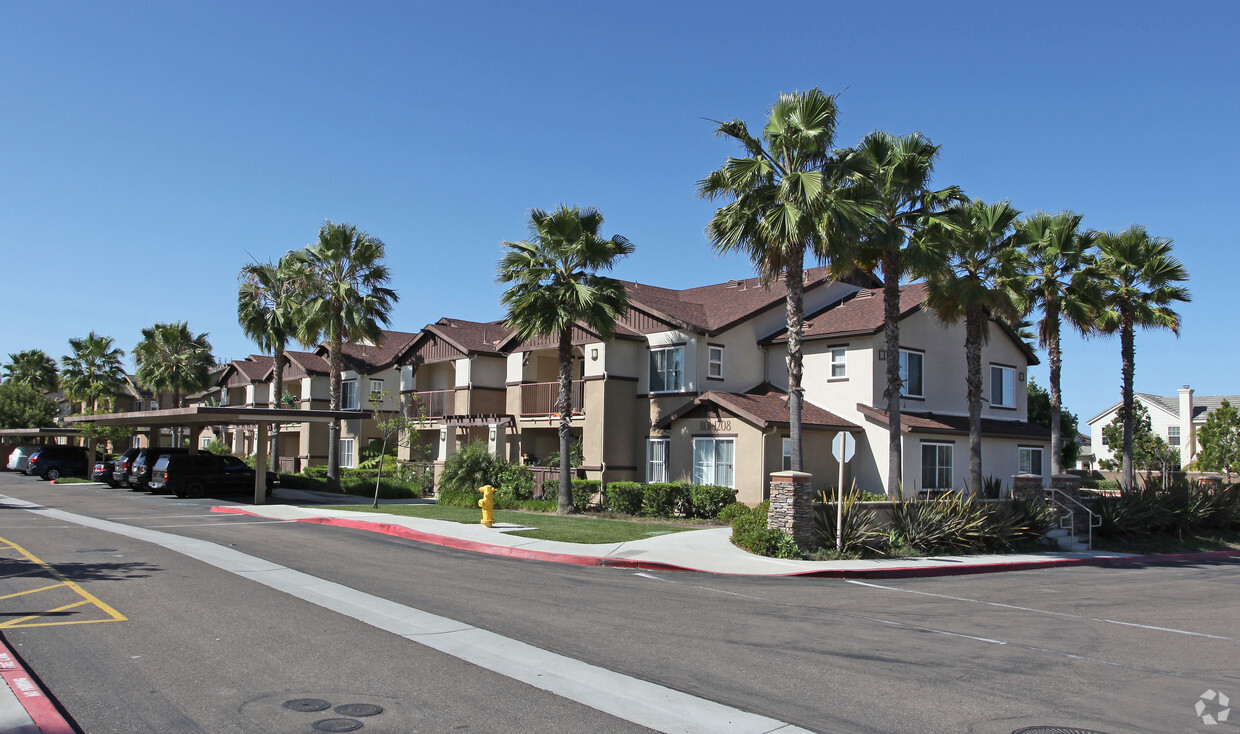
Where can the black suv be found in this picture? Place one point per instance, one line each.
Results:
(122, 466)
(55, 461)
(193, 475)
(140, 470)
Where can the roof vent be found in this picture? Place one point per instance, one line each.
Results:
(732, 284)
(865, 293)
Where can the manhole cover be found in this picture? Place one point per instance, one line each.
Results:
(336, 725)
(1055, 730)
(307, 704)
(358, 709)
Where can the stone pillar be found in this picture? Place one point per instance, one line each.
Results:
(1026, 486)
(1069, 483)
(792, 506)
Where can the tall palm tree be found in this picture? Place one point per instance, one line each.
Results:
(32, 367)
(786, 199)
(93, 372)
(1139, 282)
(1055, 273)
(980, 250)
(267, 305)
(554, 284)
(894, 173)
(344, 297)
(171, 358)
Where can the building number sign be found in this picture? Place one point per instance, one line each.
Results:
(715, 425)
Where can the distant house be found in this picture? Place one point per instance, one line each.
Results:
(1176, 419)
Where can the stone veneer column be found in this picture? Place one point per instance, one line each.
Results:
(792, 506)
(1026, 486)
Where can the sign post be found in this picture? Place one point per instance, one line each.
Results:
(843, 447)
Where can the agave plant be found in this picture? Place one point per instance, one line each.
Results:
(955, 523)
(859, 533)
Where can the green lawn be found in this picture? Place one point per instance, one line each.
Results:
(568, 529)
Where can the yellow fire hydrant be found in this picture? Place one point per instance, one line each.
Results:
(487, 503)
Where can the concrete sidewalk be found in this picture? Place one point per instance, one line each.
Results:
(707, 551)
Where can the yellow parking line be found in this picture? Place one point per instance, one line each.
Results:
(31, 591)
(88, 598)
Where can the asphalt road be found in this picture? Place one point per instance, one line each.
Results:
(200, 649)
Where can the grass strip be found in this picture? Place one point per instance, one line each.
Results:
(563, 528)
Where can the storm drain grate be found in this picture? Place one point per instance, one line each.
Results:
(336, 725)
(307, 704)
(1055, 730)
(358, 709)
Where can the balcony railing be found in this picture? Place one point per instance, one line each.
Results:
(540, 398)
(435, 403)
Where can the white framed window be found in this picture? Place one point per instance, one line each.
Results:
(204, 442)
(1002, 386)
(1173, 435)
(347, 457)
(912, 367)
(154, 405)
(787, 454)
(714, 363)
(656, 459)
(713, 461)
(1031, 460)
(348, 395)
(376, 391)
(839, 362)
(936, 465)
(667, 369)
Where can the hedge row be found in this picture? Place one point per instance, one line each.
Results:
(667, 499)
(389, 489)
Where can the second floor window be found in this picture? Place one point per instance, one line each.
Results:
(1002, 386)
(787, 452)
(1173, 435)
(839, 367)
(911, 368)
(667, 369)
(376, 390)
(714, 369)
(348, 395)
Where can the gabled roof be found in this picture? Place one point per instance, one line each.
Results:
(466, 337)
(762, 406)
(916, 422)
(1203, 405)
(254, 368)
(308, 362)
(367, 359)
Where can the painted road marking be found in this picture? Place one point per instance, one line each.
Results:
(631, 699)
(81, 597)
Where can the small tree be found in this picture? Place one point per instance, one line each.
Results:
(22, 406)
(1150, 452)
(1219, 439)
(397, 430)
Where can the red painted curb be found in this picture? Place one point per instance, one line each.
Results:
(42, 711)
(871, 573)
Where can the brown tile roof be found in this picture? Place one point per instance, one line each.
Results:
(861, 313)
(367, 359)
(762, 406)
(310, 363)
(472, 336)
(915, 422)
(714, 308)
(256, 366)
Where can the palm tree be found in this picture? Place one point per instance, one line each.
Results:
(345, 297)
(93, 372)
(170, 358)
(786, 199)
(980, 249)
(1055, 273)
(267, 306)
(32, 367)
(1139, 282)
(894, 174)
(554, 284)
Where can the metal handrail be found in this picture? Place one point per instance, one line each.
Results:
(1095, 520)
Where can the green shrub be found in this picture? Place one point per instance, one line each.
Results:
(666, 499)
(749, 531)
(862, 495)
(1108, 485)
(515, 482)
(302, 481)
(1011, 524)
(858, 531)
(733, 511)
(952, 524)
(470, 468)
(625, 497)
(706, 500)
(584, 491)
(318, 471)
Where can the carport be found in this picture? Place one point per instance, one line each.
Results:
(196, 417)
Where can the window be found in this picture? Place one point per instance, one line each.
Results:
(787, 463)
(936, 466)
(714, 368)
(667, 367)
(1031, 460)
(376, 391)
(839, 367)
(656, 460)
(1173, 435)
(154, 405)
(713, 461)
(1002, 386)
(348, 395)
(1104, 440)
(911, 368)
(204, 442)
(346, 452)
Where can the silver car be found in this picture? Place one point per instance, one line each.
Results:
(20, 458)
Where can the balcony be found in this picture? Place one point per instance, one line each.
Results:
(540, 398)
(433, 403)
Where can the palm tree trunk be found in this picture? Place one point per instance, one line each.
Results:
(1127, 356)
(973, 324)
(795, 281)
(1055, 356)
(564, 406)
(333, 428)
(277, 392)
(891, 330)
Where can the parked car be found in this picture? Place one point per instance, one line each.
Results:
(104, 469)
(55, 461)
(144, 462)
(122, 466)
(19, 458)
(194, 475)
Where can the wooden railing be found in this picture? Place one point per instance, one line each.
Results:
(540, 398)
(436, 403)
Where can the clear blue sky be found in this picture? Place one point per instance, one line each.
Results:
(151, 149)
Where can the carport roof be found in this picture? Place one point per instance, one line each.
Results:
(38, 432)
(214, 415)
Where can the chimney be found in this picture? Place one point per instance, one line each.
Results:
(1188, 441)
